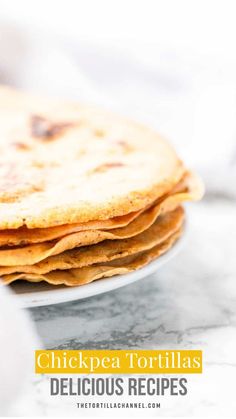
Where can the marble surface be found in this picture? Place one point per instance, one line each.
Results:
(189, 304)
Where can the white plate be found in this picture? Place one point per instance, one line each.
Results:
(41, 294)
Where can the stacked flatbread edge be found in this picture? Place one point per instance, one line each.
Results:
(84, 194)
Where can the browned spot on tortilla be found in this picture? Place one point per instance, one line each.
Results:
(44, 129)
(16, 182)
(40, 164)
(126, 147)
(106, 166)
(19, 145)
(81, 152)
(98, 132)
(23, 190)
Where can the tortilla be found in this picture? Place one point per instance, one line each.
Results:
(81, 276)
(65, 163)
(29, 255)
(108, 250)
(24, 235)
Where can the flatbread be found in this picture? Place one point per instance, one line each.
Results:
(81, 276)
(64, 163)
(29, 255)
(108, 250)
(23, 235)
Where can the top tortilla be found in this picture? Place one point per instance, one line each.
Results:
(63, 163)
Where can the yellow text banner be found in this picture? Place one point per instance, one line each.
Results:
(118, 362)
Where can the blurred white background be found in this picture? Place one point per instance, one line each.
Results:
(171, 64)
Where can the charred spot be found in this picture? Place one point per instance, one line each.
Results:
(45, 129)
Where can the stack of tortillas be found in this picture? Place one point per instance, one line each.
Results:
(84, 194)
